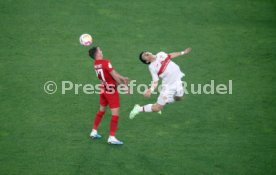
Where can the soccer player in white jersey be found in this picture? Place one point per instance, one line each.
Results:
(162, 67)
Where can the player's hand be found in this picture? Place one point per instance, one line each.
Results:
(188, 50)
(125, 80)
(147, 93)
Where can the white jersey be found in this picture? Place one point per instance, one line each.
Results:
(169, 73)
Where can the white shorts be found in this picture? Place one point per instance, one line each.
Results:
(168, 92)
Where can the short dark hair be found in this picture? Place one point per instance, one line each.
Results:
(141, 58)
(93, 51)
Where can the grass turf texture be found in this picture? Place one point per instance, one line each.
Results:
(204, 134)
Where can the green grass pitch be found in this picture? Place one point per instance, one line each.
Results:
(201, 135)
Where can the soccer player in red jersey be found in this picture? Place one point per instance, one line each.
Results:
(109, 95)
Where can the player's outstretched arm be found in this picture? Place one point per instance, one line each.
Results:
(119, 78)
(177, 54)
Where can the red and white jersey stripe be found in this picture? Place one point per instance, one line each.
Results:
(163, 67)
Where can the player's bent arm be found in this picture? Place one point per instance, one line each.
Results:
(119, 78)
(153, 86)
(116, 76)
(177, 54)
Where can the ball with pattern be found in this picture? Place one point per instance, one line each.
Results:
(86, 39)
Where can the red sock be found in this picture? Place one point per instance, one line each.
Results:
(113, 124)
(98, 119)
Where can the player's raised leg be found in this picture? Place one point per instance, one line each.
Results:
(99, 115)
(113, 127)
(179, 92)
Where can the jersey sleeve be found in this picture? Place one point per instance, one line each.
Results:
(108, 66)
(153, 74)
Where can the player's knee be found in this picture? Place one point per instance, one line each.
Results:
(102, 108)
(157, 108)
(115, 111)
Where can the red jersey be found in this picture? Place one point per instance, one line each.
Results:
(103, 69)
(109, 94)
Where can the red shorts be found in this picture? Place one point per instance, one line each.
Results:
(111, 99)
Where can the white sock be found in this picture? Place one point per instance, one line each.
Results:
(147, 108)
(111, 137)
(94, 131)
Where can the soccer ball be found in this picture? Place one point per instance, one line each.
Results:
(86, 39)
